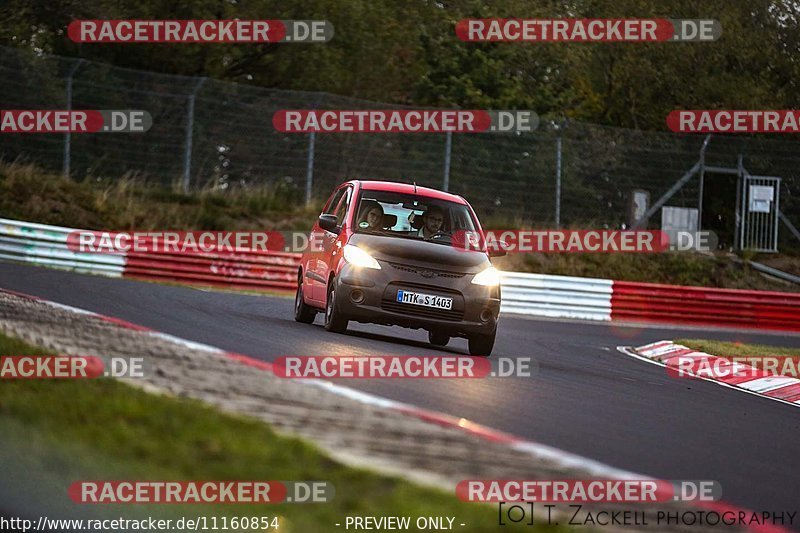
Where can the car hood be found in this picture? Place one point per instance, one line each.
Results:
(419, 253)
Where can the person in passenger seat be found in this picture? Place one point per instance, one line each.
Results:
(371, 214)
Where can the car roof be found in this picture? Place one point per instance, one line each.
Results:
(408, 188)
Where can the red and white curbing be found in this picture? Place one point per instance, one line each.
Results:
(728, 373)
(534, 449)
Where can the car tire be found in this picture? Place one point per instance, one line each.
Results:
(438, 339)
(334, 321)
(302, 311)
(481, 345)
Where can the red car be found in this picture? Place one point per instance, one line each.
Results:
(386, 255)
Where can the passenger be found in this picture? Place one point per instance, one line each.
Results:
(371, 214)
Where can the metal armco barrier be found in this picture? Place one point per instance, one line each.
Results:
(526, 294)
(556, 296)
(273, 270)
(41, 244)
(700, 305)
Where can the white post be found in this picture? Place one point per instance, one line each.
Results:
(448, 145)
(558, 182)
(65, 166)
(187, 151)
(312, 137)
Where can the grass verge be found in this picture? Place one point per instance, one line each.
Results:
(126, 204)
(53, 433)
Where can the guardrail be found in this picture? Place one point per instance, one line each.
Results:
(47, 245)
(523, 293)
(774, 272)
(556, 296)
(244, 270)
(676, 304)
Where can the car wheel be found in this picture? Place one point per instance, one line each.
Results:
(334, 321)
(437, 338)
(481, 345)
(302, 312)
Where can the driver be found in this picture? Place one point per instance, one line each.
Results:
(371, 214)
(432, 221)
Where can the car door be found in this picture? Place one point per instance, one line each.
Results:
(314, 281)
(315, 271)
(332, 243)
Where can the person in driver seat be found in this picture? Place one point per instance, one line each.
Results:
(372, 214)
(432, 221)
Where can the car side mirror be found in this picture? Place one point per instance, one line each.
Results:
(496, 248)
(330, 223)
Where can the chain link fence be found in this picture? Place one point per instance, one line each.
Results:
(208, 133)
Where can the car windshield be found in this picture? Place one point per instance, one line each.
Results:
(411, 216)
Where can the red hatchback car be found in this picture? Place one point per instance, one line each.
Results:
(386, 255)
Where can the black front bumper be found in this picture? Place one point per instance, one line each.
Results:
(370, 295)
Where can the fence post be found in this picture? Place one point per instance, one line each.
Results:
(65, 166)
(558, 182)
(448, 145)
(312, 138)
(701, 183)
(187, 152)
(741, 198)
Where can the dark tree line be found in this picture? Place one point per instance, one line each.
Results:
(406, 51)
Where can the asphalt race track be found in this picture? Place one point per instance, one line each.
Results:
(587, 398)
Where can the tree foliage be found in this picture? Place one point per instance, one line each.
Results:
(406, 51)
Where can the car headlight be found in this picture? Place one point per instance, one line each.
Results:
(489, 277)
(358, 257)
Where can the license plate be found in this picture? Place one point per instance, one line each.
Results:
(428, 300)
